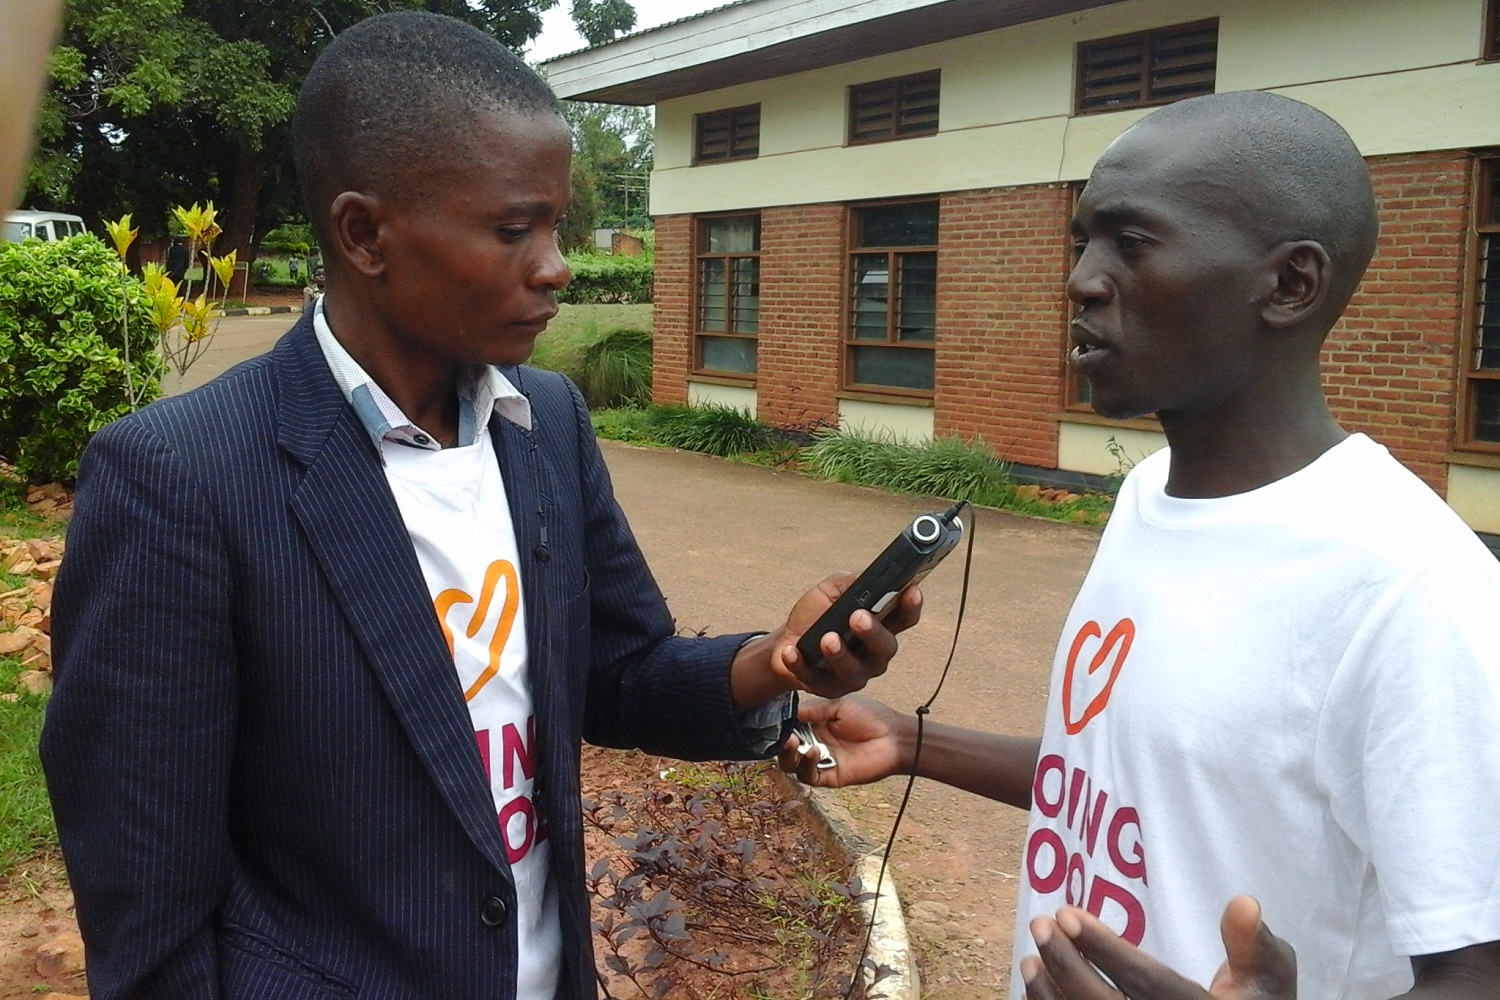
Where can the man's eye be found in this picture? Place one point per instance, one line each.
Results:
(511, 234)
(1079, 246)
(1129, 241)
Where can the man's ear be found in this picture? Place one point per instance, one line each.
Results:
(356, 220)
(1303, 272)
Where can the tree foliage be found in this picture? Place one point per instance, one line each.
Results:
(157, 102)
(613, 151)
(600, 21)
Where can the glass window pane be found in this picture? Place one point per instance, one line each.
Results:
(1487, 306)
(1492, 173)
(728, 354)
(746, 294)
(917, 318)
(740, 234)
(896, 367)
(871, 288)
(712, 295)
(910, 225)
(1487, 411)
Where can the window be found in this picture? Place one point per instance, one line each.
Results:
(1077, 392)
(732, 134)
(893, 297)
(893, 109)
(1492, 29)
(1481, 390)
(1151, 67)
(728, 294)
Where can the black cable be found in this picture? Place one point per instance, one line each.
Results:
(916, 754)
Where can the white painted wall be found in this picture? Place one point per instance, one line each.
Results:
(735, 397)
(1475, 494)
(1085, 447)
(912, 424)
(1401, 76)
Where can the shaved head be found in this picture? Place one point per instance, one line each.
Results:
(1282, 168)
(392, 101)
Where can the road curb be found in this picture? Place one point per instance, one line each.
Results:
(260, 310)
(890, 945)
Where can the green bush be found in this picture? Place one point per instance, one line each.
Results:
(62, 352)
(605, 278)
(292, 238)
(944, 468)
(614, 369)
(713, 430)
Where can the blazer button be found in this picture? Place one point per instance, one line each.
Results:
(493, 911)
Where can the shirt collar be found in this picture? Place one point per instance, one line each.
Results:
(482, 390)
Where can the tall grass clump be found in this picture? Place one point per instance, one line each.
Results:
(714, 430)
(614, 368)
(945, 468)
(25, 815)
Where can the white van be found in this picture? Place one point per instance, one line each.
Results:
(43, 225)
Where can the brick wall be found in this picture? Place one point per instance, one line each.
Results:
(672, 313)
(1389, 363)
(801, 314)
(1002, 260)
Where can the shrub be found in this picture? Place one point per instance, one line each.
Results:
(944, 468)
(63, 350)
(614, 368)
(604, 278)
(714, 430)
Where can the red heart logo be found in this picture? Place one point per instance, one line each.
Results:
(1119, 639)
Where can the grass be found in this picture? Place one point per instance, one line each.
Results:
(26, 827)
(561, 346)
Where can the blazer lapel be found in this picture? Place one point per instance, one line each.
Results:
(354, 526)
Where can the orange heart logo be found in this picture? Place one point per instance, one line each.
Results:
(1119, 639)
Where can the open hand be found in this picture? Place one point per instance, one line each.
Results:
(1075, 948)
(863, 735)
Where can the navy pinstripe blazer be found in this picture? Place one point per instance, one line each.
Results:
(264, 774)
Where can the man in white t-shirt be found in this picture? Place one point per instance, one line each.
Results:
(1281, 677)
(331, 628)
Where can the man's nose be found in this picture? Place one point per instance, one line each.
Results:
(552, 269)
(1087, 283)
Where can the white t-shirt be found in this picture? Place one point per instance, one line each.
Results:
(1292, 693)
(454, 505)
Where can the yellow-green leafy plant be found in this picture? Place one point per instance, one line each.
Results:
(123, 236)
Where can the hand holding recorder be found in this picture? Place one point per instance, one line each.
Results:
(905, 562)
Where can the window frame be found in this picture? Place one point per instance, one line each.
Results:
(893, 134)
(1486, 187)
(730, 115)
(1151, 37)
(700, 226)
(1491, 50)
(854, 249)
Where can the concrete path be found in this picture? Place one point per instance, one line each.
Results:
(733, 546)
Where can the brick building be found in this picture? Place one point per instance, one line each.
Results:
(862, 207)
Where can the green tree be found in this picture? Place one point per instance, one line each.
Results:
(159, 102)
(613, 150)
(600, 21)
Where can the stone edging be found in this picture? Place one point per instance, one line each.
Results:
(260, 310)
(890, 945)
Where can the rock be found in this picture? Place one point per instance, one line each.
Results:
(929, 911)
(34, 682)
(30, 930)
(61, 956)
(12, 643)
(10, 696)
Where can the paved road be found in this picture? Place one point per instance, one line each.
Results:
(733, 546)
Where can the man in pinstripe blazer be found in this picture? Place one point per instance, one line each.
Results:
(265, 748)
